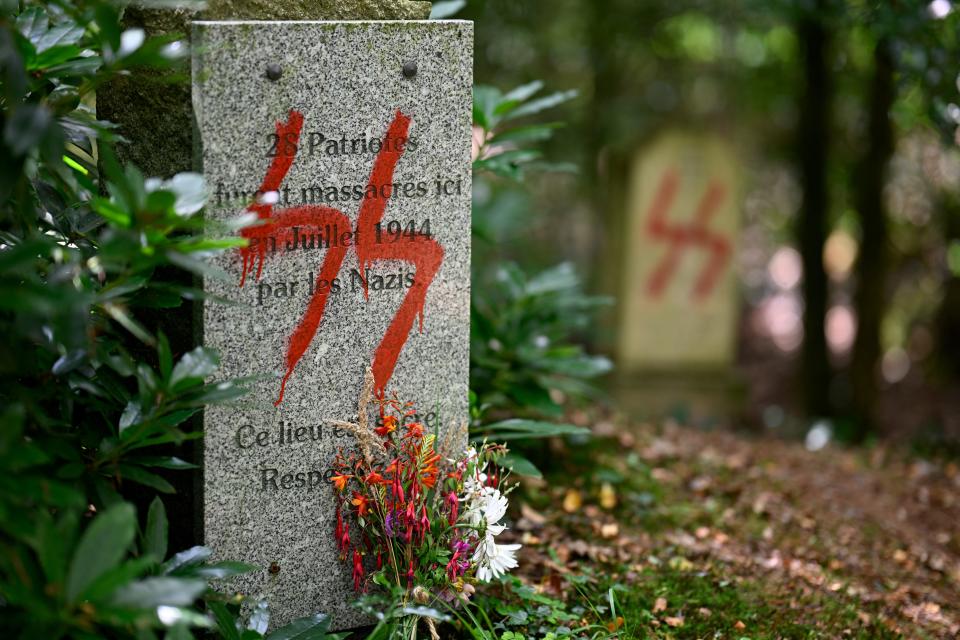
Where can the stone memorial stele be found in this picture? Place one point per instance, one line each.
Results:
(679, 301)
(350, 142)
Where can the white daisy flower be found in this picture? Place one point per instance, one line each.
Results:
(494, 560)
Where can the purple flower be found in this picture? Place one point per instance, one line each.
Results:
(388, 524)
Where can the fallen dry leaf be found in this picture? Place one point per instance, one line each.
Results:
(676, 621)
(703, 611)
(608, 496)
(609, 530)
(530, 518)
(660, 605)
(739, 626)
(572, 501)
(616, 624)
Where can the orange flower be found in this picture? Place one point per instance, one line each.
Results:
(395, 467)
(389, 426)
(375, 478)
(429, 472)
(429, 478)
(415, 430)
(361, 503)
(340, 481)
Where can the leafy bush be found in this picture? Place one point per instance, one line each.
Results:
(521, 340)
(523, 327)
(95, 401)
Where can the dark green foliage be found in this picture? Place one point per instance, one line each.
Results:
(95, 401)
(522, 346)
(503, 149)
(523, 327)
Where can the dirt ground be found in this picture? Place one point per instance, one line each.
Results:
(714, 534)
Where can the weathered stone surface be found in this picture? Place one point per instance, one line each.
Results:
(311, 139)
(154, 111)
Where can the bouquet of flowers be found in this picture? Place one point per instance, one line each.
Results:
(415, 519)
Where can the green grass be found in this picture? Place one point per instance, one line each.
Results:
(715, 607)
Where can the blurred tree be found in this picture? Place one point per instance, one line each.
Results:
(813, 134)
(911, 43)
(871, 270)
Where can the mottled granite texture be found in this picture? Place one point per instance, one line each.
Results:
(347, 80)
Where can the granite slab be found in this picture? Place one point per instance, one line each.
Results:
(350, 142)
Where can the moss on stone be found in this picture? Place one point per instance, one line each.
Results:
(154, 111)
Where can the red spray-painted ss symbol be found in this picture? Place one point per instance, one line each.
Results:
(423, 252)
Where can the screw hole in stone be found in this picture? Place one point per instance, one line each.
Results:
(409, 69)
(274, 71)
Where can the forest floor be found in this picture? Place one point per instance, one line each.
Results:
(669, 532)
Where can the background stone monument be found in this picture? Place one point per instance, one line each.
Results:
(351, 142)
(679, 301)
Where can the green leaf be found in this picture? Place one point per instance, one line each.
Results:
(216, 571)
(485, 101)
(111, 211)
(542, 104)
(561, 277)
(519, 465)
(26, 127)
(58, 36)
(53, 542)
(32, 23)
(102, 547)
(524, 92)
(164, 462)
(164, 356)
(54, 56)
(179, 631)
(226, 622)
(189, 190)
(155, 536)
(131, 415)
(531, 133)
(579, 367)
(104, 586)
(446, 8)
(194, 366)
(155, 592)
(191, 556)
(199, 267)
(144, 477)
(309, 628)
(123, 317)
(423, 612)
(259, 617)
(516, 429)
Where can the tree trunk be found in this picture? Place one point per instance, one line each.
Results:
(813, 133)
(870, 299)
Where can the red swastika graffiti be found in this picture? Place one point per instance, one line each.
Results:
(423, 252)
(682, 236)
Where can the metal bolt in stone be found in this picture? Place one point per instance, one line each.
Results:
(274, 568)
(274, 71)
(409, 69)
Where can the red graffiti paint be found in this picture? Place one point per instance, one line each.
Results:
(425, 253)
(683, 236)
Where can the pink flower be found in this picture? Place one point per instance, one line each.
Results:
(357, 569)
(454, 507)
